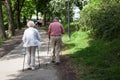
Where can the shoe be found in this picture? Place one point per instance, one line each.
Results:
(57, 63)
(33, 68)
(28, 68)
(53, 61)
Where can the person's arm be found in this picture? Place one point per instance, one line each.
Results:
(23, 38)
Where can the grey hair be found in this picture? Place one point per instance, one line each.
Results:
(30, 24)
(56, 18)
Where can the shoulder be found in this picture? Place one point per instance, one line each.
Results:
(51, 23)
(26, 30)
(36, 30)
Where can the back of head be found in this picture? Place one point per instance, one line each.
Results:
(30, 24)
(56, 19)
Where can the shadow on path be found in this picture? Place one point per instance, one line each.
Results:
(12, 63)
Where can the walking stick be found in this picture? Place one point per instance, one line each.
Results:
(38, 56)
(24, 58)
(48, 49)
(61, 51)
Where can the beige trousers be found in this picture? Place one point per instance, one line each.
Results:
(31, 56)
(56, 42)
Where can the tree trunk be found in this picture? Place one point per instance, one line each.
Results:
(2, 31)
(18, 11)
(24, 20)
(10, 18)
(37, 14)
(18, 15)
(18, 20)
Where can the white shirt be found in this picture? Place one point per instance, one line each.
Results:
(31, 37)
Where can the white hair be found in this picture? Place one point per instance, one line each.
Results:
(30, 24)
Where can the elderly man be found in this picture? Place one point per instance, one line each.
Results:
(31, 40)
(55, 32)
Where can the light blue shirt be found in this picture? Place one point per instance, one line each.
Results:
(31, 37)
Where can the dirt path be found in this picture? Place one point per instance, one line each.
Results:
(11, 64)
(10, 45)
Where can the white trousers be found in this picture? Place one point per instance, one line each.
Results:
(31, 56)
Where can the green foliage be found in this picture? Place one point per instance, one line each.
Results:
(73, 27)
(5, 18)
(57, 5)
(1, 41)
(59, 8)
(80, 3)
(28, 8)
(102, 18)
(95, 59)
(42, 6)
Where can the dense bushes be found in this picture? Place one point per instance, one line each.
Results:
(102, 18)
(96, 59)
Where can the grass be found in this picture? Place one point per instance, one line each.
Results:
(93, 59)
(1, 41)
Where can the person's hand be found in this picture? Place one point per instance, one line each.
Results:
(49, 37)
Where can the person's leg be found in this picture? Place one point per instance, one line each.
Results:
(40, 24)
(53, 47)
(58, 49)
(33, 49)
(28, 49)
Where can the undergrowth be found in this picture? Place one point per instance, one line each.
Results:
(93, 59)
(1, 41)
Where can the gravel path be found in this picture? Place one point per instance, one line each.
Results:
(12, 63)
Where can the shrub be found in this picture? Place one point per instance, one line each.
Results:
(102, 18)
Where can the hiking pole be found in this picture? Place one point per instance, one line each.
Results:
(61, 50)
(24, 58)
(48, 49)
(38, 56)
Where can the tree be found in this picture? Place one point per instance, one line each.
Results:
(60, 8)
(11, 28)
(28, 9)
(102, 18)
(43, 7)
(2, 31)
(18, 4)
(80, 3)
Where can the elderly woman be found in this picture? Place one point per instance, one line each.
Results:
(31, 40)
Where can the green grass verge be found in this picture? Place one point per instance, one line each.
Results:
(94, 59)
(1, 41)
